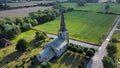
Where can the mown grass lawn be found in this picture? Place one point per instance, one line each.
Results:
(88, 27)
(96, 7)
(8, 55)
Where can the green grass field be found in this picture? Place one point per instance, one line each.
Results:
(8, 55)
(88, 27)
(96, 7)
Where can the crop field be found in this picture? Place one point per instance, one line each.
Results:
(22, 12)
(96, 7)
(88, 27)
(27, 3)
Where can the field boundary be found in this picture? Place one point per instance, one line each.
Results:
(69, 38)
(115, 21)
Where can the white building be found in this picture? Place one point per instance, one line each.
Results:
(57, 46)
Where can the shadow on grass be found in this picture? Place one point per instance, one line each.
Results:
(11, 57)
(67, 59)
(35, 43)
(76, 61)
(72, 60)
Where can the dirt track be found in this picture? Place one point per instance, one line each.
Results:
(22, 12)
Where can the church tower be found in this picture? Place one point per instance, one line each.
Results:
(63, 32)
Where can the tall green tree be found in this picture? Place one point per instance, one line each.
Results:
(108, 62)
(22, 45)
(40, 36)
(107, 7)
(81, 2)
(10, 31)
(10, 20)
(111, 49)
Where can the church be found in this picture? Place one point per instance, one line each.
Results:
(57, 46)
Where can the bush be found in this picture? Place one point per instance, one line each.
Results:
(111, 49)
(85, 49)
(81, 2)
(34, 22)
(22, 45)
(114, 40)
(89, 53)
(69, 47)
(40, 36)
(108, 62)
(38, 67)
(92, 49)
(49, 65)
(43, 64)
(74, 49)
(70, 9)
(10, 31)
(80, 50)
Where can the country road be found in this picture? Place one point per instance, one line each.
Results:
(96, 62)
(77, 42)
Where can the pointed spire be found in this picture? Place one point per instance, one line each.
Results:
(62, 25)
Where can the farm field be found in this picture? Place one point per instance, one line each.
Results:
(96, 7)
(88, 27)
(22, 12)
(27, 3)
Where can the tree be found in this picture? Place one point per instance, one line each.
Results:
(85, 49)
(92, 49)
(92, 1)
(10, 31)
(34, 22)
(19, 21)
(74, 49)
(38, 66)
(40, 36)
(43, 64)
(89, 53)
(81, 2)
(114, 40)
(25, 27)
(49, 65)
(80, 50)
(111, 49)
(118, 1)
(28, 20)
(69, 47)
(10, 20)
(46, 65)
(2, 23)
(107, 7)
(108, 62)
(22, 45)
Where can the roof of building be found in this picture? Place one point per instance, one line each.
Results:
(47, 52)
(57, 43)
(3, 41)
